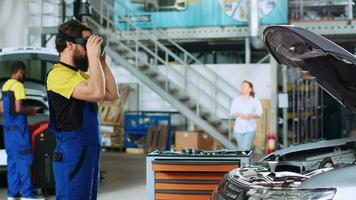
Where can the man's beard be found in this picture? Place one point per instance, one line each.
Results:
(22, 80)
(81, 63)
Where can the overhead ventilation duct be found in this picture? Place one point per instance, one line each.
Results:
(254, 25)
(84, 9)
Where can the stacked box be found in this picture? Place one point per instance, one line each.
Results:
(193, 139)
(113, 137)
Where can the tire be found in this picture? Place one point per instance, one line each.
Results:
(3, 179)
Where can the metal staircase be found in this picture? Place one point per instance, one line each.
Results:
(195, 91)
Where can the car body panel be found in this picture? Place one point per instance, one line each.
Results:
(312, 156)
(333, 66)
(28, 53)
(312, 145)
(343, 179)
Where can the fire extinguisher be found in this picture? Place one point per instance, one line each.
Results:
(271, 143)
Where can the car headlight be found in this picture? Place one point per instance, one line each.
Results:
(291, 194)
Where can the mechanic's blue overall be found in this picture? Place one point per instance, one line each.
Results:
(76, 157)
(18, 148)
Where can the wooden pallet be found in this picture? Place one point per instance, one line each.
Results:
(111, 113)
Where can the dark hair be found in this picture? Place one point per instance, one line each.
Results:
(72, 28)
(16, 66)
(252, 93)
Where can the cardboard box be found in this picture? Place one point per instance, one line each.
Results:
(135, 150)
(193, 139)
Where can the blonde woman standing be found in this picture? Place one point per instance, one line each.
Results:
(245, 109)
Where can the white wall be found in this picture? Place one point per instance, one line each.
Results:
(13, 23)
(16, 16)
(258, 74)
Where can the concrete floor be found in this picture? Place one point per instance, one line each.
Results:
(124, 177)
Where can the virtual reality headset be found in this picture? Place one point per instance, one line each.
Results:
(82, 41)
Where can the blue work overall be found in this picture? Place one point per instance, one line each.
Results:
(76, 157)
(18, 148)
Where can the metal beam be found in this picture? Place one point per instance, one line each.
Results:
(285, 110)
(329, 28)
(335, 28)
(273, 115)
(266, 57)
(247, 50)
(199, 33)
(233, 33)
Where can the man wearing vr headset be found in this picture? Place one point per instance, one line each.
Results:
(73, 109)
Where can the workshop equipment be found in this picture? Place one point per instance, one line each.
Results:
(137, 126)
(43, 145)
(190, 174)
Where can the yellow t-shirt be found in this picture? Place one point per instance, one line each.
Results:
(63, 80)
(17, 87)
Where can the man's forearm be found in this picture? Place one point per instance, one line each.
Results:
(253, 116)
(111, 90)
(96, 79)
(28, 110)
(237, 115)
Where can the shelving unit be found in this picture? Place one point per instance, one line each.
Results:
(138, 123)
(304, 114)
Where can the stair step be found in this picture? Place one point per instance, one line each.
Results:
(173, 91)
(192, 106)
(160, 82)
(127, 54)
(133, 62)
(183, 98)
(205, 114)
(223, 130)
(143, 67)
(151, 74)
(120, 50)
(214, 122)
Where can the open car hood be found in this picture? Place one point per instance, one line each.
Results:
(333, 66)
(310, 146)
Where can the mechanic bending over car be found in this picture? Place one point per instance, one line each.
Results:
(17, 135)
(72, 97)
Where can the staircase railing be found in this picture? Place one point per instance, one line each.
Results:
(108, 15)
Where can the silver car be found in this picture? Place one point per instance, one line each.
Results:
(314, 155)
(320, 171)
(38, 61)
